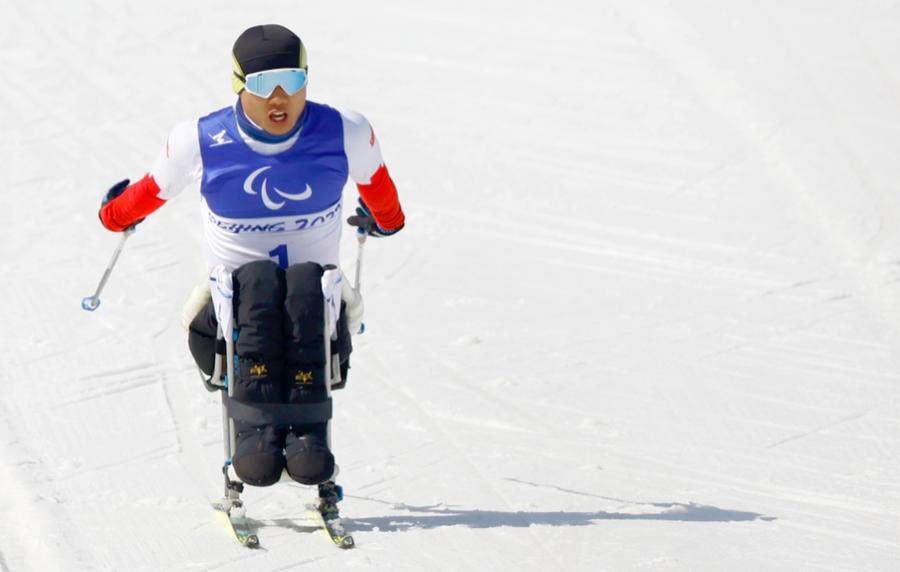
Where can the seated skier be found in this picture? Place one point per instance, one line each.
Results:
(270, 171)
(281, 359)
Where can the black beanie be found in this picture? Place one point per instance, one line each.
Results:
(267, 47)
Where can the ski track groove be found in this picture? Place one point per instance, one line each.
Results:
(426, 417)
(447, 365)
(650, 261)
(820, 361)
(154, 454)
(754, 489)
(123, 386)
(236, 558)
(820, 428)
(591, 233)
(117, 371)
(179, 440)
(299, 564)
(69, 350)
(885, 73)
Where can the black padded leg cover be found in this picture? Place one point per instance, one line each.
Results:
(258, 301)
(259, 459)
(202, 338)
(309, 461)
(304, 323)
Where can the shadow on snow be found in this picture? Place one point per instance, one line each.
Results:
(437, 516)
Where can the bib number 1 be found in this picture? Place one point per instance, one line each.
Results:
(279, 253)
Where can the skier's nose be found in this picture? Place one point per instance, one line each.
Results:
(278, 96)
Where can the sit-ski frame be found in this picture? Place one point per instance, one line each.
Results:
(223, 376)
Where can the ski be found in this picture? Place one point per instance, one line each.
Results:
(331, 524)
(238, 523)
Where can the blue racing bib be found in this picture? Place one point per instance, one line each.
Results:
(239, 183)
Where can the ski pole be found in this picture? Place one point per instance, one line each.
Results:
(360, 242)
(91, 303)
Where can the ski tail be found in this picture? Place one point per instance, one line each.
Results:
(238, 524)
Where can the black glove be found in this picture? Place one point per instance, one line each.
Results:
(115, 191)
(364, 220)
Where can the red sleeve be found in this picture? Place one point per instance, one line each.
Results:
(380, 195)
(136, 202)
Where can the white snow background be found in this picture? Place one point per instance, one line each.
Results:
(644, 314)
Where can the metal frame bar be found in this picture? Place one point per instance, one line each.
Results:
(227, 423)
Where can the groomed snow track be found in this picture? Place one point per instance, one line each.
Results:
(644, 314)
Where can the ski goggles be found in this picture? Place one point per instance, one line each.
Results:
(263, 83)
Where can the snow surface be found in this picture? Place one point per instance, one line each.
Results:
(644, 314)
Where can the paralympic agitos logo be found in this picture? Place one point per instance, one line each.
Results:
(267, 200)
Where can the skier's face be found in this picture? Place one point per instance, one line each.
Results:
(278, 113)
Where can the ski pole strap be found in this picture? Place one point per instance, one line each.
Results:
(278, 413)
